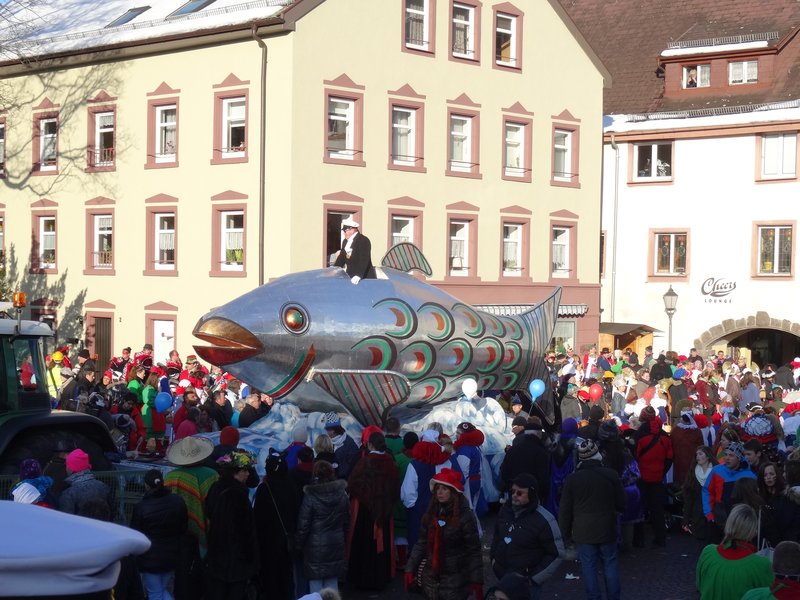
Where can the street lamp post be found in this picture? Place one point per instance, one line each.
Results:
(670, 301)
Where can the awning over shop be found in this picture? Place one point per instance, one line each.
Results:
(508, 310)
(625, 328)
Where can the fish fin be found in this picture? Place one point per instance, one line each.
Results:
(540, 321)
(406, 257)
(368, 395)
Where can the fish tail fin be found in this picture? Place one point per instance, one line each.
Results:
(540, 322)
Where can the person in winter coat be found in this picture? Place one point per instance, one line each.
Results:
(162, 517)
(587, 517)
(82, 484)
(527, 455)
(345, 449)
(616, 456)
(686, 439)
(730, 569)
(232, 559)
(469, 457)
(654, 455)
(562, 463)
(275, 511)
(527, 539)
(718, 488)
(427, 459)
(660, 370)
(449, 544)
(374, 486)
(322, 527)
(694, 520)
(786, 565)
(787, 512)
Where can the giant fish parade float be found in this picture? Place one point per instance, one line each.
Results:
(394, 345)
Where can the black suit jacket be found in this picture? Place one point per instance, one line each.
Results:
(360, 261)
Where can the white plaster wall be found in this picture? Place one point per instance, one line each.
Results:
(714, 196)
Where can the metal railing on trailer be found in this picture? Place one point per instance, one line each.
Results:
(126, 485)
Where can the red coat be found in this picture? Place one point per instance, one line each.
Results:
(653, 457)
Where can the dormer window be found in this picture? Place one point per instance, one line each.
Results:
(695, 76)
(743, 71)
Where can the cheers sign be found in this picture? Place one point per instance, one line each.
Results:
(716, 288)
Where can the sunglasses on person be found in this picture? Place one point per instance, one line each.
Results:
(518, 492)
(346, 227)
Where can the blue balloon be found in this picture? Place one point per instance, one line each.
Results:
(536, 388)
(163, 402)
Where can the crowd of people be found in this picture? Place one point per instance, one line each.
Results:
(703, 446)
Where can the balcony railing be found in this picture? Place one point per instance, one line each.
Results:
(101, 157)
(103, 260)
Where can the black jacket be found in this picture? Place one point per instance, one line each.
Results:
(590, 501)
(250, 415)
(528, 542)
(527, 455)
(222, 414)
(322, 527)
(232, 545)
(360, 262)
(162, 517)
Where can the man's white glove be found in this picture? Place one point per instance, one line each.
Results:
(355, 280)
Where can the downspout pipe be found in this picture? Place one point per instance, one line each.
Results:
(615, 147)
(262, 159)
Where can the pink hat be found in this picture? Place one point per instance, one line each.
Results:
(78, 461)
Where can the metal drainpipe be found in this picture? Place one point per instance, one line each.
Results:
(614, 245)
(262, 147)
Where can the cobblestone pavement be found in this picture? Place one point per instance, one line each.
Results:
(648, 573)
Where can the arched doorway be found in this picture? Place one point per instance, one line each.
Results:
(760, 339)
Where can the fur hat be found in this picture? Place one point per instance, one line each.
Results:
(229, 436)
(331, 420)
(450, 478)
(587, 450)
(78, 461)
(189, 451)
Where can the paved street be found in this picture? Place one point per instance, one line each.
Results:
(647, 574)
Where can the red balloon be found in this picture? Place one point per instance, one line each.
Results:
(595, 392)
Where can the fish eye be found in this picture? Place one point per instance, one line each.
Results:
(294, 319)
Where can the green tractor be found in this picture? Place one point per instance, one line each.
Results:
(29, 428)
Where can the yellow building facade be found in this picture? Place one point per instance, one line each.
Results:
(142, 187)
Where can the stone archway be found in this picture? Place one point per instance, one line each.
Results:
(729, 327)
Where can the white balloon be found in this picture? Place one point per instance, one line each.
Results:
(470, 388)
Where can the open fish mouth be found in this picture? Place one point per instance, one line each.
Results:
(229, 342)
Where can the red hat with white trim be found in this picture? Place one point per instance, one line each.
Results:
(448, 477)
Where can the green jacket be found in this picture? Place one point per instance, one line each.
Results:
(727, 573)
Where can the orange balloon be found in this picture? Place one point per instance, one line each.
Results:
(595, 392)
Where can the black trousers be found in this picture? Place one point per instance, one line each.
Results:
(654, 496)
